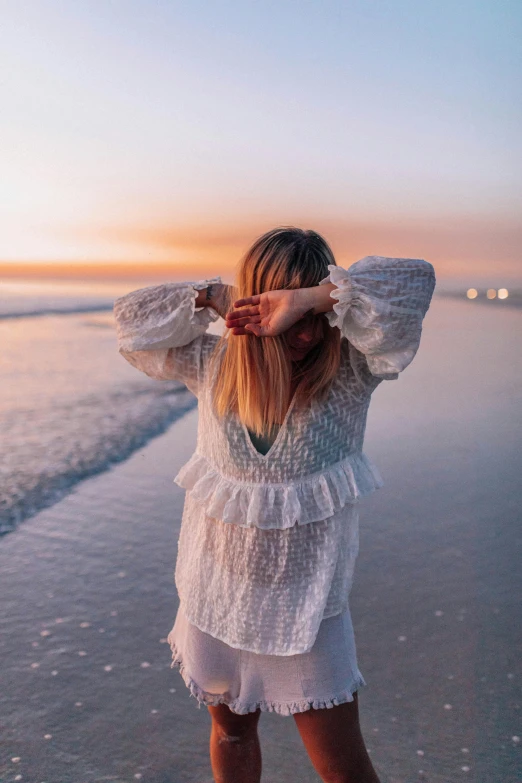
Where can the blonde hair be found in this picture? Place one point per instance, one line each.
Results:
(254, 375)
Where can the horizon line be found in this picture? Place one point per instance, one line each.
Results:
(114, 271)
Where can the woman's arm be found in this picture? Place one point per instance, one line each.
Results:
(378, 304)
(273, 312)
(162, 329)
(317, 299)
(218, 296)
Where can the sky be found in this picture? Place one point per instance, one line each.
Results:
(166, 136)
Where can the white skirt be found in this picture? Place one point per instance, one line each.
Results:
(215, 673)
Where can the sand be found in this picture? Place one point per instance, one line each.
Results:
(88, 593)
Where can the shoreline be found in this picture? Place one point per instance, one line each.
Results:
(50, 495)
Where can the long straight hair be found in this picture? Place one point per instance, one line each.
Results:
(255, 375)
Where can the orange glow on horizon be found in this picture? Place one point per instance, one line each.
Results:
(110, 270)
(457, 247)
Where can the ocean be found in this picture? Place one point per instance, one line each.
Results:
(70, 405)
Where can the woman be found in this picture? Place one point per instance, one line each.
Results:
(269, 533)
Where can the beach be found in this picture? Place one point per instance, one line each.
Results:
(70, 406)
(87, 583)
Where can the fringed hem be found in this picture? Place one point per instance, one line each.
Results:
(280, 708)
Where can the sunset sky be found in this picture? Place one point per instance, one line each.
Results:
(149, 133)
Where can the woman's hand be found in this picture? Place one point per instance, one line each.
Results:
(268, 314)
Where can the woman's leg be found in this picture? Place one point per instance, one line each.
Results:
(235, 753)
(333, 740)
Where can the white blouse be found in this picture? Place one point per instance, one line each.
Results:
(268, 543)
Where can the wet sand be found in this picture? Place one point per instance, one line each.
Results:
(88, 593)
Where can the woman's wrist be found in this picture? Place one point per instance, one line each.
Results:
(205, 296)
(216, 296)
(317, 298)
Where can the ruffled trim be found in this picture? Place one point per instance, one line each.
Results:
(281, 708)
(267, 505)
(379, 307)
(343, 294)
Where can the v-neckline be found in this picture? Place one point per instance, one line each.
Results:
(278, 438)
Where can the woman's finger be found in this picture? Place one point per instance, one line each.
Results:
(253, 319)
(233, 314)
(249, 300)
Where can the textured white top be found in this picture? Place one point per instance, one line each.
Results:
(268, 542)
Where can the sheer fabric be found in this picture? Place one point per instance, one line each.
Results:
(268, 543)
(215, 673)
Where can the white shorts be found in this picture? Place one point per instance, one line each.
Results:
(215, 673)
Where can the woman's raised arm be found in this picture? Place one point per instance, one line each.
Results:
(379, 307)
(162, 329)
(218, 296)
(273, 312)
(378, 304)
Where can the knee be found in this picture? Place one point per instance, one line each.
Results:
(357, 769)
(231, 727)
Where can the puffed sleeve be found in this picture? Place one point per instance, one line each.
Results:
(162, 333)
(379, 308)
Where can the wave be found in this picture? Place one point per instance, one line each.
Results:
(65, 309)
(80, 438)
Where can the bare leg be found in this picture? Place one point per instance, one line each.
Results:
(235, 753)
(333, 740)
